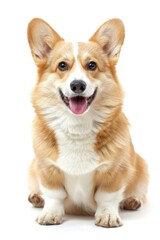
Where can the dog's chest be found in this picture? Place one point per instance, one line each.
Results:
(77, 156)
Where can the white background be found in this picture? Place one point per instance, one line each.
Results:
(138, 70)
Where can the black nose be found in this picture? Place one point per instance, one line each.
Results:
(78, 86)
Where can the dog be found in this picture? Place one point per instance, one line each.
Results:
(85, 162)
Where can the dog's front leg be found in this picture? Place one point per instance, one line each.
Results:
(107, 212)
(53, 210)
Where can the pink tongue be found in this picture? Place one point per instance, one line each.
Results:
(78, 105)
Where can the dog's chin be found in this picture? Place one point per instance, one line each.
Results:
(78, 104)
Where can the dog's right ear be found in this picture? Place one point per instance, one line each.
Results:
(41, 38)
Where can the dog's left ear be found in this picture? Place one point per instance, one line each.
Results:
(110, 37)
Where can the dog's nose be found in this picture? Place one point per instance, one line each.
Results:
(78, 86)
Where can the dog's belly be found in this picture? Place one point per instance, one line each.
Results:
(80, 194)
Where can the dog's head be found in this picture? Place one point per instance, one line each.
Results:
(76, 78)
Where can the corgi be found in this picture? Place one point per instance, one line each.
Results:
(85, 162)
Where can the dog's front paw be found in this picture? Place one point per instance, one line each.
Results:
(107, 219)
(49, 218)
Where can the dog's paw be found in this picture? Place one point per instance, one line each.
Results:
(106, 219)
(49, 219)
(36, 200)
(130, 204)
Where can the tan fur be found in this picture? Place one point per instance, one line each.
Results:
(45, 147)
(113, 142)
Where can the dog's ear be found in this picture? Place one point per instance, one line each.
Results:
(110, 37)
(41, 38)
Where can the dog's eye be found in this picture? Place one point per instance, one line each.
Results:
(63, 66)
(92, 66)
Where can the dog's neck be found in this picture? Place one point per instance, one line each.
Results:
(77, 127)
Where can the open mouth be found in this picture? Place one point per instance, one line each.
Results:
(78, 104)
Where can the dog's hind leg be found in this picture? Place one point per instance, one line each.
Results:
(35, 194)
(135, 193)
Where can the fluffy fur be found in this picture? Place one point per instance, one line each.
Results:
(85, 162)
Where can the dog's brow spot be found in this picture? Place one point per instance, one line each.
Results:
(75, 50)
(77, 63)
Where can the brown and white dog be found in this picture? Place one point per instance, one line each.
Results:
(84, 162)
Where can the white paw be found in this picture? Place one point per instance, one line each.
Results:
(49, 218)
(107, 219)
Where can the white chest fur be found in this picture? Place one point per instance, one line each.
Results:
(77, 156)
(76, 140)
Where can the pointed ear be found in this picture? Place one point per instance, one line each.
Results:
(110, 37)
(41, 38)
